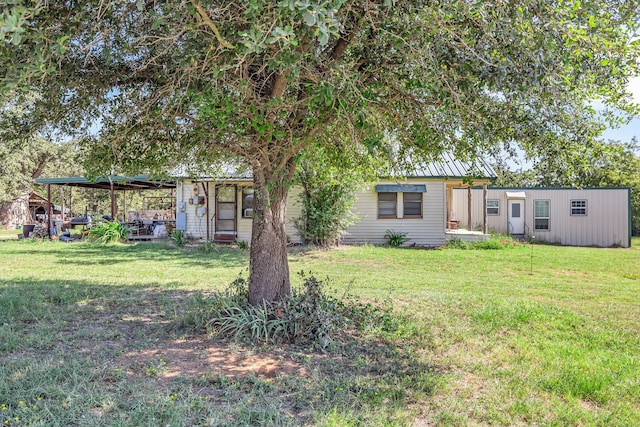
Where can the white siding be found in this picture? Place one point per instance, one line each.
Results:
(429, 230)
(197, 219)
(606, 223)
(294, 209)
(243, 224)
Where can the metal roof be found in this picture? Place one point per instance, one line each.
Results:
(138, 182)
(447, 166)
(223, 171)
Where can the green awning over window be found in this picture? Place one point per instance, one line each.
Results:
(401, 188)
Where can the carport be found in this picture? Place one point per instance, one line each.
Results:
(111, 183)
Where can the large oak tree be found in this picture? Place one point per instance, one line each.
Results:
(151, 83)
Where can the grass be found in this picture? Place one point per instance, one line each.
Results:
(93, 335)
(9, 234)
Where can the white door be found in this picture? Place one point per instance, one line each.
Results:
(516, 216)
(226, 209)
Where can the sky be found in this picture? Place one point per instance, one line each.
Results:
(625, 133)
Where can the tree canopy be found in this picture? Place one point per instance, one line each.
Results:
(150, 83)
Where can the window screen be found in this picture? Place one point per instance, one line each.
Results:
(387, 205)
(579, 207)
(541, 215)
(493, 207)
(515, 210)
(247, 202)
(412, 204)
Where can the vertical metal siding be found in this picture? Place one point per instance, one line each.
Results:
(606, 223)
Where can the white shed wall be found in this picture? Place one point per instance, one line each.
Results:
(606, 223)
(429, 230)
(197, 219)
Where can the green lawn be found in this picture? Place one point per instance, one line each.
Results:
(548, 335)
(9, 234)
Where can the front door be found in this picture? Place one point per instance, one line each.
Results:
(225, 212)
(516, 216)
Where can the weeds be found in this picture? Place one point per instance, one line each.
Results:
(243, 245)
(108, 232)
(395, 238)
(179, 237)
(309, 317)
(496, 241)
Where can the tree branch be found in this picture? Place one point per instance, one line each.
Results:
(41, 166)
(210, 24)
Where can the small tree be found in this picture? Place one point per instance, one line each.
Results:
(329, 181)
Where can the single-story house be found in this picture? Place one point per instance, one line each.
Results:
(418, 204)
(566, 216)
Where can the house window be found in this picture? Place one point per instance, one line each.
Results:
(541, 215)
(579, 207)
(412, 205)
(247, 202)
(493, 207)
(387, 205)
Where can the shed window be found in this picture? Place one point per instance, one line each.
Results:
(412, 205)
(493, 207)
(387, 205)
(579, 207)
(247, 202)
(541, 215)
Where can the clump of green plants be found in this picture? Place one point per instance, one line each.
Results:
(108, 232)
(309, 317)
(208, 247)
(495, 242)
(395, 238)
(457, 243)
(179, 237)
(243, 245)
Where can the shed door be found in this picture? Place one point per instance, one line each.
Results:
(516, 216)
(226, 209)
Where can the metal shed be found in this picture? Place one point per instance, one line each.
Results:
(567, 216)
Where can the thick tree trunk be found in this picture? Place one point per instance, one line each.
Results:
(269, 266)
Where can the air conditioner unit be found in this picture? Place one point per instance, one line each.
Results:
(248, 213)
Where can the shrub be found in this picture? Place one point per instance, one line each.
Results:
(243, 245)
(496, 241)
(329, 182)
(208, 247)
(395, 238)
(309, 317)
(457, 244)
(179, 237)
(108, 232)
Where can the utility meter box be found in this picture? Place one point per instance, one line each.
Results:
(181, 221)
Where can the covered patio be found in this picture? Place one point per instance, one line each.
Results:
(113, 184)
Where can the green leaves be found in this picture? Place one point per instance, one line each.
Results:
(11, 24)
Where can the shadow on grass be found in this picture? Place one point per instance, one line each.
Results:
(93, 254)
(70, 346)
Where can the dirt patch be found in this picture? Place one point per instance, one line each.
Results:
(588, 405)
(196, 358)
